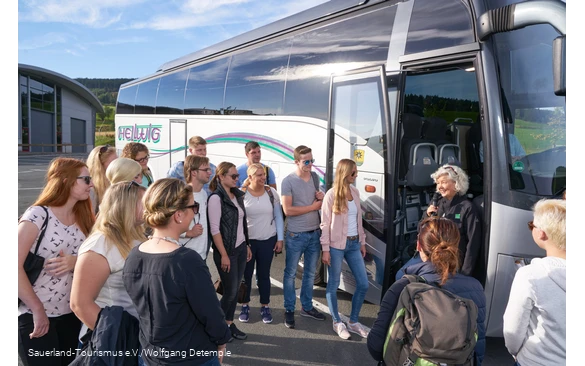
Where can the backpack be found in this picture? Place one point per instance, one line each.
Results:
(431, 326)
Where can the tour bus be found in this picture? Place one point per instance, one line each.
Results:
(401, 87)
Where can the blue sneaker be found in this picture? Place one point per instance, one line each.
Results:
(244, 314)
(265, 314)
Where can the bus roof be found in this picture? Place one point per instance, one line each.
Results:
(325, 9)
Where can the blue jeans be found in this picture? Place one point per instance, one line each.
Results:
(297, 244)
(262, 254)
(213, 362)
(355, 261)
(414, 260)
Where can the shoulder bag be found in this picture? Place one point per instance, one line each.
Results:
(33, 265)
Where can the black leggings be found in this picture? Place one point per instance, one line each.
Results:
(231, 281)
(56, 348)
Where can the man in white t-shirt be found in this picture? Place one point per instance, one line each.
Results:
(197, 173)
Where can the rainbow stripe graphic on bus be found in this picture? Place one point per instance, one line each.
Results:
(275, 146)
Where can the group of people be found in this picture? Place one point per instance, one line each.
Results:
(138, 248)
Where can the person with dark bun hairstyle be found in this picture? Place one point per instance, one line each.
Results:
(438, 245)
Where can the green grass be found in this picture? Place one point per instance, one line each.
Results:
(527, 132)
(105, 140)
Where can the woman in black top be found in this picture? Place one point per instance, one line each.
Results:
(181, 321)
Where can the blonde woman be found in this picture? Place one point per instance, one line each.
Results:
(97, 162)
(266, 233)
(170, 285)
(45, 320)
(139, 153)
(98, 272)
(342, 236)
(124, 170)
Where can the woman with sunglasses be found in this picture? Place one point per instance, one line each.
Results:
(98, 162)
(343, 237)
(535, 320)
(452, 184)
(98, 271)
(45, 320)
(229, 232)
(171, 286)
(266, 232)
(139, 153)
(438, 244)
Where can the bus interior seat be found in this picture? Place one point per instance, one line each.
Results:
(412, 128)
(435, 131)
(421, 165)
(449, 154)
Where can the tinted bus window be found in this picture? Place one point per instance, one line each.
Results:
(146, 97)
(349, 44)
(255, 82)
(171, 93)
(204, 94)
(433, 27)
(126, 98)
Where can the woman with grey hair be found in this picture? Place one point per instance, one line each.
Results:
(452, 183)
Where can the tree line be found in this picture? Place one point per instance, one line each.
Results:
(106, 90)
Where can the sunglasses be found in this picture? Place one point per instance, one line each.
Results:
(86, 178)
(234, 176)
(307, 162)
(130, 184)
(194, 206)
(143, 159)
(531, 225)
(451, 168)
(103, 149)
(353, 174)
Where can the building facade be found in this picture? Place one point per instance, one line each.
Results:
(55, 113)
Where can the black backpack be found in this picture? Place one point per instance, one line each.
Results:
(431, 326)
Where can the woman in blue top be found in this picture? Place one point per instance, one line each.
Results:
(437, 244)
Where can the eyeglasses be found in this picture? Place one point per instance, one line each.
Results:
(451, 168)
(194, 206)
(234, 176)
(208, 170)
(307, 162)
(143, 159)
(86, 178)
(130, 184)
(531, 225)
(103, 149)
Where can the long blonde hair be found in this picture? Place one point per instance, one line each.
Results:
(340, 186)
(117, 220)
(123, 170)
(95, 165)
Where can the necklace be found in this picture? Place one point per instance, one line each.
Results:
(166, 238)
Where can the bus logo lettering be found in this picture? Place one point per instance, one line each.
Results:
(139, 133)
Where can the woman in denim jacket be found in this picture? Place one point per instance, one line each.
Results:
(342, 236)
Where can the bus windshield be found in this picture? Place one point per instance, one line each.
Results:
(534, 116)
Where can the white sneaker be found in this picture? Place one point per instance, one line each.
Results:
(341, 330)
(358, 328)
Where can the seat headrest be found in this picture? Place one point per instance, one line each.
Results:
(412, 125)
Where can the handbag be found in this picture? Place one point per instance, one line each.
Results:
(241, 291)
(34, 263)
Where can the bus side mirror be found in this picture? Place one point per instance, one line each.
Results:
(559, 65)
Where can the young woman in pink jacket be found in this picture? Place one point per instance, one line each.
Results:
(342, 236)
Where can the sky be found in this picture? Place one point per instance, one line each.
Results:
(133, 38)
